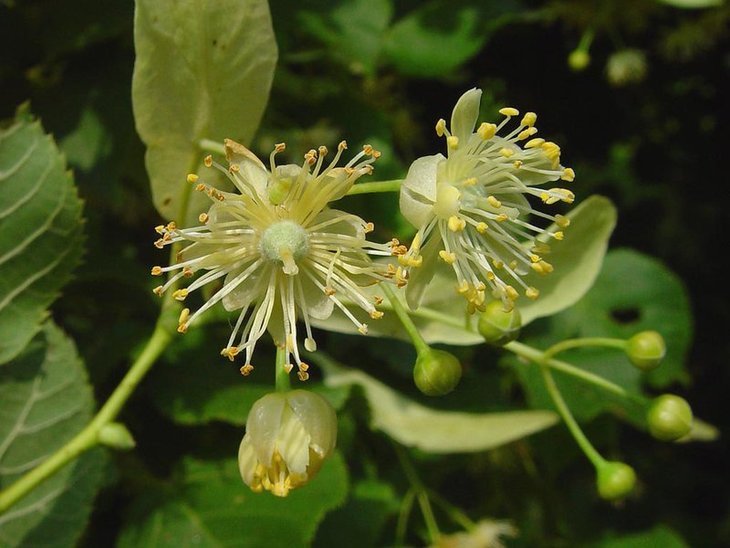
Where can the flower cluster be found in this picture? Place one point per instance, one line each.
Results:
(471, 207)
(281, 252)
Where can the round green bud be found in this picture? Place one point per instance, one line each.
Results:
(579, 59)
(646, 350)
(669, 417)
(497, 326)
(436, 372)
(615, 480)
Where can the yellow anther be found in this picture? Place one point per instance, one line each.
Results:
(208, 161)
(378, 300)
(159, 243)
(517, 164)
(303, 366)
(323, 150)
(158, 290)
(288, 367)
(192, 178)
(448, 258)
(494, 202)
(535, 258)
(486, 130)
(506, 152)
(481, 227)
(171, 226)
(534, 143)
(462, 288)
(329, 291)
(279, 147)
(246, 370)
(568, 174)
(180, 294)
(471, 181)
(203, 218)
(160, 229)
(363, 328)
(452, 141)
(342, 145)
(234, 168)
(491, 276)
(562, 221)
(558, 235)
(376, 314)
(441, 127)
(509, 111)
(532, 293)
(498, 264)
(156, 271)
(554, 195)
(184, 315)
(456, 224)
(303, 376)
(200, 187)
(187, 272)
(367, 149)
(396, 248)
(502, 217)
(511, 292)
(311, 157)
(368, 227)
(415, 262)
(182, 328)
(529, 119)
(526, 133)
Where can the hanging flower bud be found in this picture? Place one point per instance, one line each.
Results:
(615, 480)
(669, 417)
(288, 436)
(646, 350)
(499, 326)
(436, 372)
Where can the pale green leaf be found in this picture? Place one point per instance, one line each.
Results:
(692, 4)
(46, 400)
(203, 71)
(213, 508)
(40, 230)
(431, 430)
(442, 316)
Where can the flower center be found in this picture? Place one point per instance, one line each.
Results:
(285, 242)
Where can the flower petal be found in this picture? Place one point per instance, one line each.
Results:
(418, 191)
(465, 114)
(264, 425)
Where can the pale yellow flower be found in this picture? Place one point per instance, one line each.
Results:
(279, 251)
(472, 211)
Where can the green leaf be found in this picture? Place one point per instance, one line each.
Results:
(203, 71)
(212, 507)
(437, 37)
(658, 536)
(651, 297)
(40, 230)
(198, 386)
(353, 30)
(692, 4)
(430, 430)
(46, 400)
(442, 316)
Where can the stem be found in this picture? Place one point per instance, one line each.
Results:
(538, 357)
(584, 342)
(405, 319)
(208, 145)
(569, 420)
(88, 437)
(420, 493)
(375, 186)
(403, 515)
(283, 383)
(455, 513)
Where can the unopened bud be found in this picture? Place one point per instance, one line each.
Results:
(579, 59)
(497, 326)
(669, 417)
(615, 480)
(116, 436)
(436, 372)
(646, 350)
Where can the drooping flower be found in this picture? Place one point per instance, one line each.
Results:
(281, 253)
(472, 211)
(288, 436)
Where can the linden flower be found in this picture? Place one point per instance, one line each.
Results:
(471, 208)
(281, 253)
(287, 438)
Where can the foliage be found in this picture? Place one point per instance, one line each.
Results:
(133, 97)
